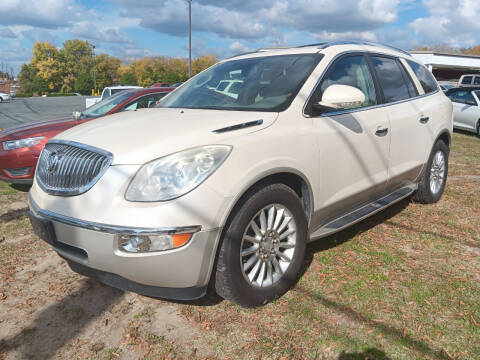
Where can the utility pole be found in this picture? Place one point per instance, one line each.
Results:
(189, 38)
(94, 69)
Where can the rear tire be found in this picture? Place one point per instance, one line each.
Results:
(478, 128)
(434, 178)
(263, 247)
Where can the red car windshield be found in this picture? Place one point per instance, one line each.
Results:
(103, 107)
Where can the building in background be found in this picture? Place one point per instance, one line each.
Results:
(448, 67)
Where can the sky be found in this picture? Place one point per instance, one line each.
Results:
(131, 29)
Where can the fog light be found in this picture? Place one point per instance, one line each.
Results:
(150, 243)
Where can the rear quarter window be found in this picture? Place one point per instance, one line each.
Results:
(476, 81)
(428, 82)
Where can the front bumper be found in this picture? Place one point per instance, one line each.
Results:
(91, 249)
(13, 160)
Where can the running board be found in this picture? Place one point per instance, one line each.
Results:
(362, 213)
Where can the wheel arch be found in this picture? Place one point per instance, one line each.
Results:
(445, 136)
(292, 178)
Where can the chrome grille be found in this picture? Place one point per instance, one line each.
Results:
(70, 168)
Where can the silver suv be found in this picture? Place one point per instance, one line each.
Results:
(230, 189)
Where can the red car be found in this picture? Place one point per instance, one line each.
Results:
(20, 146)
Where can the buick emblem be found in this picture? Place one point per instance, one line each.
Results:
(53, 161)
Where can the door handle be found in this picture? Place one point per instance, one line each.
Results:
(424, 119)
(381, 131)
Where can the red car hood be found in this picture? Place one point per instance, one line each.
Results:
(24, 130)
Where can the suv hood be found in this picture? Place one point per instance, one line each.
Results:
(138, 137)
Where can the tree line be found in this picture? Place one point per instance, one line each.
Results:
(75, 68)
(474, 50)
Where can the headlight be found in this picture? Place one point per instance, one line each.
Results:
(20, 143)
(175, 175)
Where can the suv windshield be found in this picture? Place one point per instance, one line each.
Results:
(104, 106)
(264, 84)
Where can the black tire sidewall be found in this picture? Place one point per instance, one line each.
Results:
(274, 194)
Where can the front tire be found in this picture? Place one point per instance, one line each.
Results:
(434, 178)
(263, 247)
(478, 128)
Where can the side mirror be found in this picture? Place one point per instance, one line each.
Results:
(337, 97)
(77, 115)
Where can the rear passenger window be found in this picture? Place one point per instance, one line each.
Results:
(477, 80)
(391, 79)
(428, 82)
(467, 80)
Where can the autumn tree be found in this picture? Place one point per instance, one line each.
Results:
(106, 70)
(203, 62)
(75, 57)
(45, 61)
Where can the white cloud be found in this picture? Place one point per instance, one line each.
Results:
(452, 22)
(237, 47)
(49, 14)
(250, 20)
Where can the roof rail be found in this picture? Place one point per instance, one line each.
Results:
(307, 45)
(355, 42)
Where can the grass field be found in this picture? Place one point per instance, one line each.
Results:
(404, 284)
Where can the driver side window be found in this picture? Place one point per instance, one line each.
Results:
(352, 71)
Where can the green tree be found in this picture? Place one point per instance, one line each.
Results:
(25, 77)
(84, 83)
(74, 58)
(128, 78)
(39, 85)
(107, 70)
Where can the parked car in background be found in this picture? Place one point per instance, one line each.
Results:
(20, 146)
(4, 97)
(446, 85)
(210, 185)
(107, 92)
(469, 80)
(161, 84)
(13, 93)
(466, 108)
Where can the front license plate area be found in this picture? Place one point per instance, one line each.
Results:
(43, 228)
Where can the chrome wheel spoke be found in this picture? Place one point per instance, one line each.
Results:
(287, 233)
(286, 245)
(270, 272)
(247, 266)
(263, 222)
(283, 256)
(271, 216)
(250, 250)
(255, 269)
(251, 239)
(278, 219)
(277, 266)
(261, 275)
(256, 229)
(285, 222)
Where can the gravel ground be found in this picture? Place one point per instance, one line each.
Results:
(25, 110)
